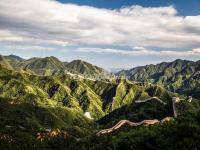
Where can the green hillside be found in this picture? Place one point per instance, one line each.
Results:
(96, 97)
(53, 66)
(51, 91)
(14, 58)
(42, 66)
(181, 76)
(85, 68)
(182, 133)
(49, 112)
(4, 62)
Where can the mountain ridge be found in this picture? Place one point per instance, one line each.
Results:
(177, 76)
(52, 65)
(65, 110)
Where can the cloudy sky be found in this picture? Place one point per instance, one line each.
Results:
(108, 33)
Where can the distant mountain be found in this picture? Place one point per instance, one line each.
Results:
(65, 63)
(14, 57)
(52, 65)
(85, 68)
(116, 70)
(11, 61)
(43, 66)
(180, 75)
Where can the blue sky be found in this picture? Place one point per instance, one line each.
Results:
(185, 7)
(107, 33)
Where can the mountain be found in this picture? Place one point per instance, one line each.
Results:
(95, 97)
(116, 70)
(43, 66)
(32, 106)
(14, 57)
(50, 91)
(52, 65)
(82, 95)
(181, 76)
(11, 61)
(85, 68)
(60, 112)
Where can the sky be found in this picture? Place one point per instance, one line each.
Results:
(107, 33)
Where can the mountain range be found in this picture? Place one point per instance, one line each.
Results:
(181, 76)
(49, 104)
(52, 65)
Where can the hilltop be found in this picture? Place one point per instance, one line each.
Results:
(85, 68)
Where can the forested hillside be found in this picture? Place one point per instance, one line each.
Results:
(179, 76)
(62, 110)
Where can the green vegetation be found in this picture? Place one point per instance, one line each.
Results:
(48, 91)
(181, 76)
(87, 69)
(46, 109)
(52, 66)
(183, 133)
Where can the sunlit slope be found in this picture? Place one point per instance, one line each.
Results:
(49, 91)
(116, 95)
(181, 76)
(96, 97)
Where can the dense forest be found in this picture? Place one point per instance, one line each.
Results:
(64, 109)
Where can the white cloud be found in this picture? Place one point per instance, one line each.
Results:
(8, 36)
(50, 22)
(28, 47)
(196, 50)
(136, 52)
